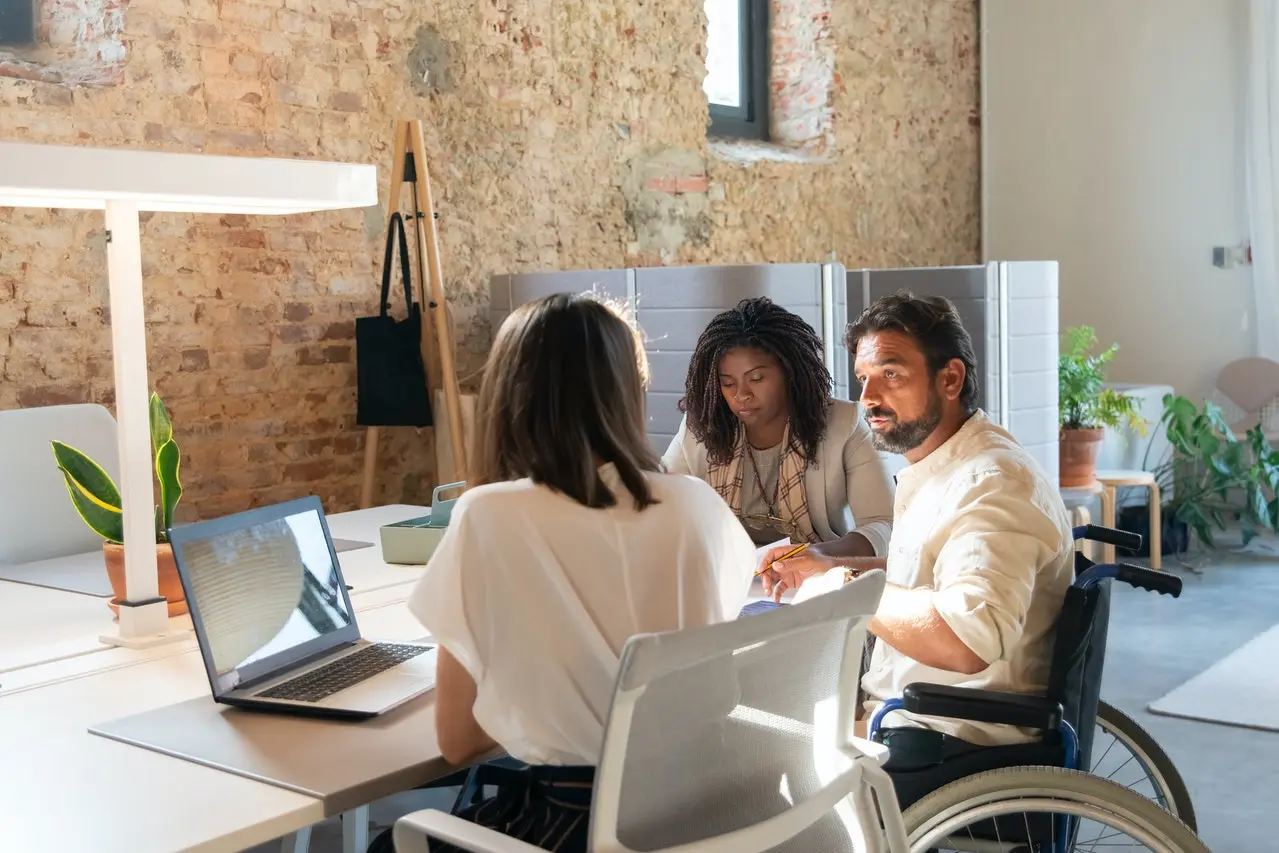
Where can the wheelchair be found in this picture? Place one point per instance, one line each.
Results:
(1037, 797)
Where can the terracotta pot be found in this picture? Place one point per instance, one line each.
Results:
(170, 584)
(1079, 449)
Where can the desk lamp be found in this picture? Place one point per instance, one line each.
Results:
(123, 183)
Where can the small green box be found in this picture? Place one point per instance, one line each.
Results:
(412, 542)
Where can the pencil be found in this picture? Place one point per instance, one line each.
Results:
(785, 556)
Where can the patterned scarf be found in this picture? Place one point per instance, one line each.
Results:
(792, 503)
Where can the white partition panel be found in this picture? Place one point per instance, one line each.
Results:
(1029, 302)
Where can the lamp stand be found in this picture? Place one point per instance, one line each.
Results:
(144, 614)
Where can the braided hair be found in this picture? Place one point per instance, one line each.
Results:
(759, 324)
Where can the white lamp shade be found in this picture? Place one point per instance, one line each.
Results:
(70, 176)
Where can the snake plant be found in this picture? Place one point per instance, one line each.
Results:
(94, 493)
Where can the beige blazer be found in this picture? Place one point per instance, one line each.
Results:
(850, 488)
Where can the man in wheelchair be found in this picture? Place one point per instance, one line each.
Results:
(981, 554)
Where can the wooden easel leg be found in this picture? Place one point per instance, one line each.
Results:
(370, 467)
(428, 238)
(392, 204)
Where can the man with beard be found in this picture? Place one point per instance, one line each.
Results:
(981, 553)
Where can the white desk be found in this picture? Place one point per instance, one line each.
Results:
(65, 789)
(39, 625)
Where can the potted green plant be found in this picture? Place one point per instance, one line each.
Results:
(1210, 478)
(97, 500)
(1087, 407)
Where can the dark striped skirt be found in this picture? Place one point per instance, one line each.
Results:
(548, 807)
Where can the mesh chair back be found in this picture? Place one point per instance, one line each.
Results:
(1079, 652)
(738, 736)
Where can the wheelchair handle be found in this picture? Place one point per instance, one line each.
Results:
(1108, 536)
(1149, 579)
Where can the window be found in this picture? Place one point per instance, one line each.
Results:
(17, 22)
(737, 63)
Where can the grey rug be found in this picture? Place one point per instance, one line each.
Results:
(1240, 690)
(86, 574)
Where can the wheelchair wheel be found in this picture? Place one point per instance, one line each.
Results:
(1027, 810)
(1132, 754)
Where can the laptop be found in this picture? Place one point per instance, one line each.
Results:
(274, 620)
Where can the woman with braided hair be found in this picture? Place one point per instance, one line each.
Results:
(760, 426)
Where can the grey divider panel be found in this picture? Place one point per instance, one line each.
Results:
(507, 292)
(966, 286)
(674, 304)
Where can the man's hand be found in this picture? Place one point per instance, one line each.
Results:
(789, 574)
(813, 560)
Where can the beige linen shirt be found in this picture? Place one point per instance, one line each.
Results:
(979, 523)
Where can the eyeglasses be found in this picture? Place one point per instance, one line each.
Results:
(771, 525)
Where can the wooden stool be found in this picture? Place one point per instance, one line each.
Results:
(1077, 499)
(1113, 479)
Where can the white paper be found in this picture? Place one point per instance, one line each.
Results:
(819, 585)
(814, 586)
(762, 551)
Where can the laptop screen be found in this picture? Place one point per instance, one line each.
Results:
(263, 594)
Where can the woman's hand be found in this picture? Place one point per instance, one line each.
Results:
(789, 574)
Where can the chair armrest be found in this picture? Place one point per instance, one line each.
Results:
(411, 831)
(982, 706)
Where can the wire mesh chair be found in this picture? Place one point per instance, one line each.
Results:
(731, 738)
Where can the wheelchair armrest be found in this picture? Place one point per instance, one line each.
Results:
(982, 706)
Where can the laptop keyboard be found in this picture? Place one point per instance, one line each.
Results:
(344, 672)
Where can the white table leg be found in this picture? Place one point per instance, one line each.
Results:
(297, 842)
(144, 615)
(355, 830)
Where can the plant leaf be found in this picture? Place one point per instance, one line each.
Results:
(104, 520)
(88, 475)
(167, 462)
(161, 424)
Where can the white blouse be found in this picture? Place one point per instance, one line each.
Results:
(536, 595)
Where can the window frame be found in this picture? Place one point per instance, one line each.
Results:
(17, 30)
(750, 120)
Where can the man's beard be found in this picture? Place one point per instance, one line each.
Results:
(905, 436)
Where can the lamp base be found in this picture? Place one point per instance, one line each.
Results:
(143, 625)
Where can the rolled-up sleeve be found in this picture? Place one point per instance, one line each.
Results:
(984, 575)
(870, 490)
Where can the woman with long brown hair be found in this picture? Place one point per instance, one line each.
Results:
(569, 541)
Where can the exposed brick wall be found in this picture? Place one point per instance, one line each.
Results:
(562, 135)
(803, 75)
(80, 42)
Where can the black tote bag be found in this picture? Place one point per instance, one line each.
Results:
(390, 377)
